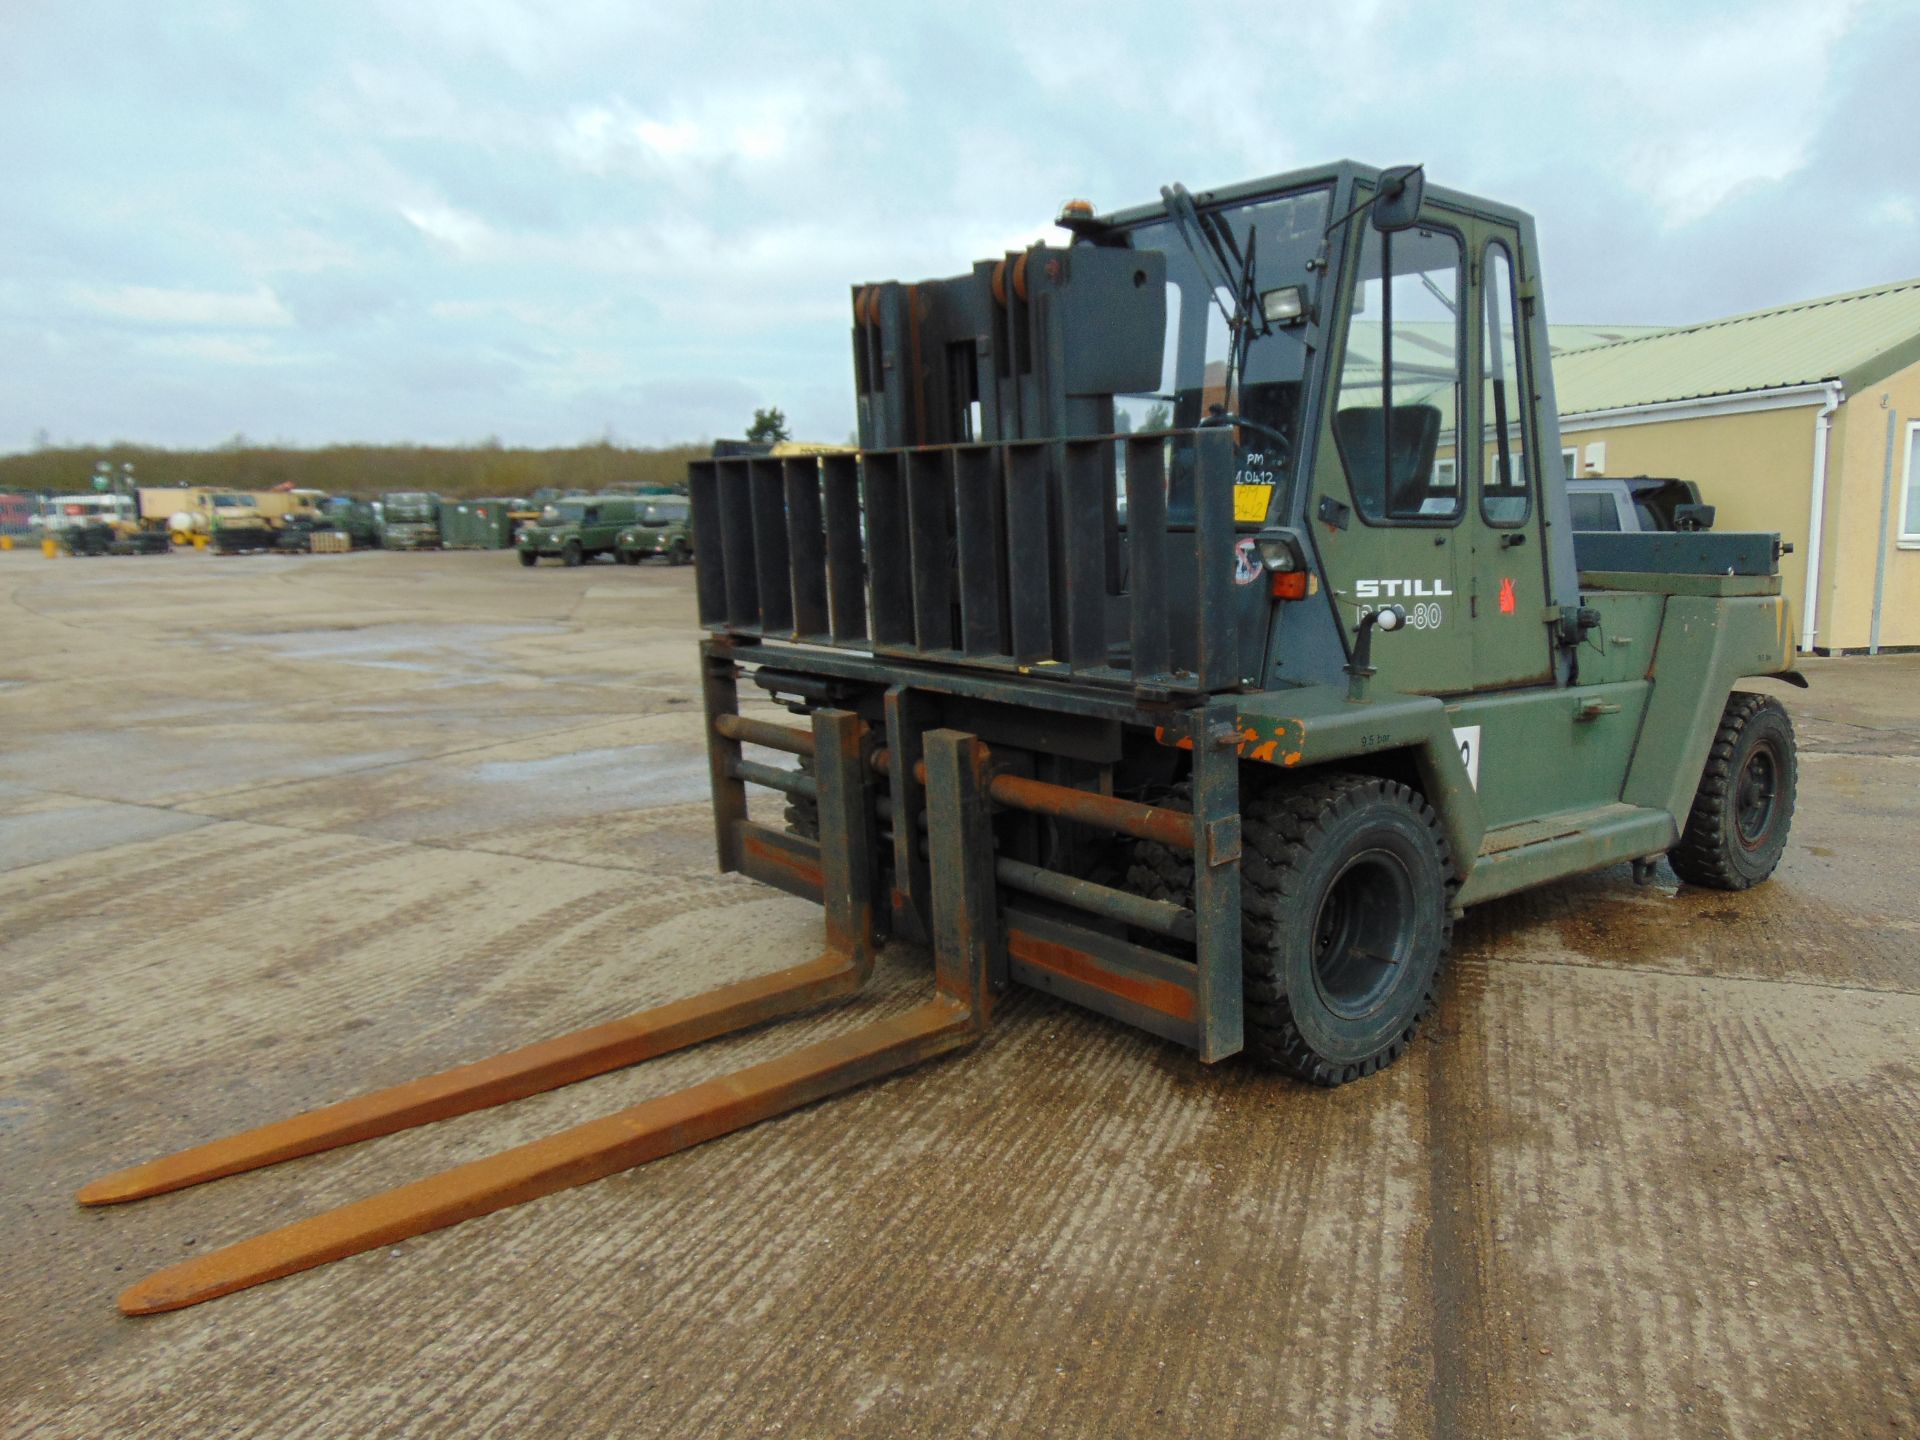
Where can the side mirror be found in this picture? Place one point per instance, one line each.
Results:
(1693, 517)
(1396, 205)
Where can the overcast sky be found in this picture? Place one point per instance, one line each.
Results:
(442, 220)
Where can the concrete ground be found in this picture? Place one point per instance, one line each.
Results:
(276, 831)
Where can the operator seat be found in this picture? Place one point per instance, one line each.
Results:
(1416, 440)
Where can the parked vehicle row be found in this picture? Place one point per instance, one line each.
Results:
(570, 528)
(629, 528)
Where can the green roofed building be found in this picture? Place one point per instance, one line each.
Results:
(1803, 419)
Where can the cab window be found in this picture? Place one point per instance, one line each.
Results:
(1506, 490)
(1593, 510)
(1401, 375)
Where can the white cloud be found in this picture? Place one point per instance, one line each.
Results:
(456, 229)
(224, 350)
(211, 309)
(756, 129)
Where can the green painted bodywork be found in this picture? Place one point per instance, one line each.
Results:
(1317, 725)
(1683, 584)
(592, 522)
(664, 526)
(409, 520)
(1543, 758)
(1570, 778)
(1706, 647)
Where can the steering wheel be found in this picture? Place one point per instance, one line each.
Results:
(1221, 416)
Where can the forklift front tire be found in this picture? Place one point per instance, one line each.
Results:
(1347, 892)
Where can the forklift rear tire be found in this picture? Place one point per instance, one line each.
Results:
(1737, 829)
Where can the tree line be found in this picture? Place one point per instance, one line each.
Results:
(488, 468)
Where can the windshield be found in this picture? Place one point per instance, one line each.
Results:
(565, 513)
(1200, 368)
(663, 514)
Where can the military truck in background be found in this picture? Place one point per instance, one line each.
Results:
(409, 520)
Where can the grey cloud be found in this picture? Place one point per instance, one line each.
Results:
(690, 260)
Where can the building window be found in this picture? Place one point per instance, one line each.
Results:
(1910, 491)
(1570, 462)
(1443, 475)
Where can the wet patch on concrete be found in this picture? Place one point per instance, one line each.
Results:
(77, 829)
(428, 649)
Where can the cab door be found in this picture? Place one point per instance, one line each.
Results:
(1388, 499)
(1503, 561)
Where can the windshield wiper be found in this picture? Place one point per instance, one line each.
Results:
(1215, 268)
(1234, 274)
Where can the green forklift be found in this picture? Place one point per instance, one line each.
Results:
(1198, 631)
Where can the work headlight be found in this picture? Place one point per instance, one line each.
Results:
(1280, 551)
(1285, 306)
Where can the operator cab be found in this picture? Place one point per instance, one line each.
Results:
(1379, 349)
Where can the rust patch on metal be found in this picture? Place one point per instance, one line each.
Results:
(764, 732)
(1162, 996)
(782, 860)
(577, 1156)
(1264, 740)
(531, 1070)
(1146, 822)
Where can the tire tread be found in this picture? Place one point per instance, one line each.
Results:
(1702, 857)
(1281, 825)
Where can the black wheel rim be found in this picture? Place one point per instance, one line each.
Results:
(1756, 796)
(1363, 933)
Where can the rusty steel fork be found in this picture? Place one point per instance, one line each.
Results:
(967, 948)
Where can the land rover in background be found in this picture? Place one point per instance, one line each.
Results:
(575, 530)
(664, 529)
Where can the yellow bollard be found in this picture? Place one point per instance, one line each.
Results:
(49, 547)
(6, 542)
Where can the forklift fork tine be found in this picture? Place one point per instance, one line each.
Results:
(968, 956)
(840, 740)
(496, 1080)
(585, 1153)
